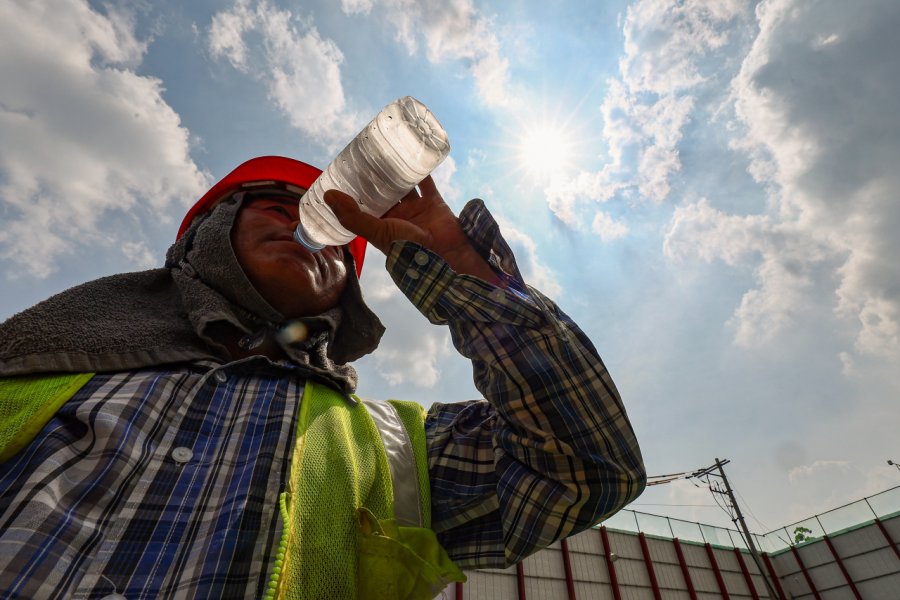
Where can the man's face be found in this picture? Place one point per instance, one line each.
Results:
(294, 281)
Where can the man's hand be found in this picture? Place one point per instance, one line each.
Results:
(421, 217)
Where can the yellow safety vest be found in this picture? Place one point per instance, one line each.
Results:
(356, 513)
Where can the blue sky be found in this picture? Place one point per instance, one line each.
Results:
(708, 187)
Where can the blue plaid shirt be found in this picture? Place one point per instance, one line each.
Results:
(164, 482)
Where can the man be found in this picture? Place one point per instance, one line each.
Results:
(193, 431)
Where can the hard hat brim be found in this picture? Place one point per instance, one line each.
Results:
(261, 169)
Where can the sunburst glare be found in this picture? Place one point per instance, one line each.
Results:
(545, 151)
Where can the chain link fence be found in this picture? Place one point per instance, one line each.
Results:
(856, 514)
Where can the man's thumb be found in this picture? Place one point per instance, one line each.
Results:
(347, 212)
(381, 233)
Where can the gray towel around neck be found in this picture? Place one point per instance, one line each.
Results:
(170, 315)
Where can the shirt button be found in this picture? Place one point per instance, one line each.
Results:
(220, 376)
(412, 273)
(497, 295)
(421, 258)
(114, 597)
(182, 454)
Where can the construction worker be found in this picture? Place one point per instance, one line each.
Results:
(194, 430)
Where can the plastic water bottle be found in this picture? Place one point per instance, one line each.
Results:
(402, 145)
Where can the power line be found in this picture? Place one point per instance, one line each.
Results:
(662, 481)
(670, 477)
(729, 510)
(747, 506)
(664, 504)
(729, 504)
(739, 520)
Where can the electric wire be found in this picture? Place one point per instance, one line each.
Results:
(725, 507)
(747, 506)
(665, 504)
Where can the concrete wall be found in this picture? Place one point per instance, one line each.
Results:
(871, 563)
(867, 556)
(545, 577)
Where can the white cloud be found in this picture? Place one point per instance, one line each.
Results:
(140, 254)
(415, 363)
(815, 105)
(412, 350)
(226, 34)
(817, 468)
(608, 228)
(649, 130)
(535, 272)
(668, 48)
(782, 258)
(454, 30)
(82, 136)
(378, 286)
(700, 230)
(443, 176)
(667, 45)
(825, 155)
(666, 41)
(661, 123)
(687, 493)
(300, 68)
(824, 485)
(769, 309)
(563, 198)
(354, 7)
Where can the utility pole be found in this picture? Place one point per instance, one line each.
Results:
(747, 537)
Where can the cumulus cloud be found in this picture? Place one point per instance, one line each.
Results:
(412, 350)
(443, 179)
(669, 48)
(666, 42)
(817, 468)
(534, 271)
(353, 7)
(699, 229)
(300, 69)
(783, 263)
(608, 228)
(697, 501)
(563, 197)
(814, 104)
(454, 30)
(415, 363)
(82, 136)
(140, 254)
(828, 484)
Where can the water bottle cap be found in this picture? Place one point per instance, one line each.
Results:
(301, 237)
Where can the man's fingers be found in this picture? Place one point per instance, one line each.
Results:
(348, 213)
(381, 233)
(413, 194)
(428, 188)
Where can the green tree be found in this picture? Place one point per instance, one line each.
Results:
(802, 534)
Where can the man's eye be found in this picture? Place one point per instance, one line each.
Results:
(279, 209)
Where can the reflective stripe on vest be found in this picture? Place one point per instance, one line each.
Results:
(401, 460)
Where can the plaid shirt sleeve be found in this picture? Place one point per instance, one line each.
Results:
(550, 451)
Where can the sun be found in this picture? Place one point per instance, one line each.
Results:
(545, 151)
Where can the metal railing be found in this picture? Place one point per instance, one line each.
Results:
(632, 521)
(855, 514)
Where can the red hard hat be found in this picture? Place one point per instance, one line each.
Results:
(263, 169)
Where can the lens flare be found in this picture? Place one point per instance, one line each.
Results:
(545, 152)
